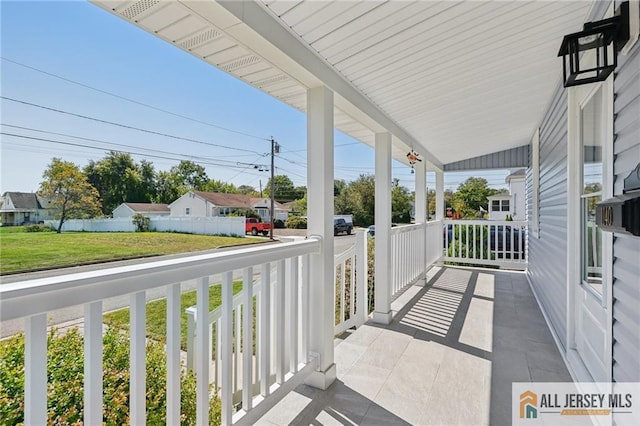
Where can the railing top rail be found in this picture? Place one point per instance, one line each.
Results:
(406, 228)
(30, 297)
(486, 222)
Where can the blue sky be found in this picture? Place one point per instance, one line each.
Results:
(81, 42)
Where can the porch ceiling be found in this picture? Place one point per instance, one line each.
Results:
(454, 80)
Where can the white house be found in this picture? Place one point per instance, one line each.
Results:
(19, 208)
(499, 206)
(513, 203)
(147, 209)
(212, 204)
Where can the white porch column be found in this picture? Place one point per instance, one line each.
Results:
(421, 213)
(439, 194)
(382, 311)
(320, 223)
(421, 192)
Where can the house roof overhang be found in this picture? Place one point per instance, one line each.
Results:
(452, 80)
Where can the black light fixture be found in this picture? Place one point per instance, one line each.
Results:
(604, 38)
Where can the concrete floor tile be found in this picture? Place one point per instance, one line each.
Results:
(285, 411)
(540, 375)
(379, 416)
(346, 354)
(411, 379)
(399, 405)
(364, 335)
(385, 351)
(366, 379)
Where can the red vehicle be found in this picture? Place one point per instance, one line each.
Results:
(255, 226)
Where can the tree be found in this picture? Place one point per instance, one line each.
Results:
(339, 185)
(118, 179)
(358, 199)
(247, 190)
(400, 203)
(213, 185)
(471, 195)
(70, 191)
(168, 188)
(191, 175)
(284, 189)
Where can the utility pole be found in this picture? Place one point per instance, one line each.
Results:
(275, 149)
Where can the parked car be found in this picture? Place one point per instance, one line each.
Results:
(341, 225)
(255, 226)
(372, 231)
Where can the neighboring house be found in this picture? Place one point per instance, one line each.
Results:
(499, 206)
(147, 209)
(19, 208)
(513, 203)
(518, 192)
(212, 204)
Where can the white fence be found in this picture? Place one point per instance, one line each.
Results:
(486, 242)
(281, 306)
(190, 225)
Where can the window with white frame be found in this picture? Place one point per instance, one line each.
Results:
(495, 205)
(187, 211)
(592, 136)
(505, 206)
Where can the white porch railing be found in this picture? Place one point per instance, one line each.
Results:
(408, 248)
(32, 300)
(434, 242)
(351, 294)
(486, 242)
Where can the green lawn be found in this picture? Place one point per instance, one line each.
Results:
(156, 320)
(21, 250)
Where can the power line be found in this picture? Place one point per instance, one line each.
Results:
(116, 144)
(209, 163)
(127, 126)
(134, 101)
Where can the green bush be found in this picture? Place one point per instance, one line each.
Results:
(38, 228)
(296, 222)
(65, 372)
(142, 222)
(278, 224)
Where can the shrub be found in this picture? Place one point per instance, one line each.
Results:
(65, 372)
(248, 213)
(141, 222)
(38, 228)
(296, 222)
(278, 224)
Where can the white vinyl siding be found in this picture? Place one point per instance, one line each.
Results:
(626, 248)
(548, 254)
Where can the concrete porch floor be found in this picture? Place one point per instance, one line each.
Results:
(448, 358)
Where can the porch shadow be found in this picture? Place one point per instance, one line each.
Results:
(449, 357)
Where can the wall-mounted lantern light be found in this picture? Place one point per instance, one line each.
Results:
(591, 54)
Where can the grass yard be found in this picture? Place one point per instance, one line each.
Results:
(156, 320)
(20, 250)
